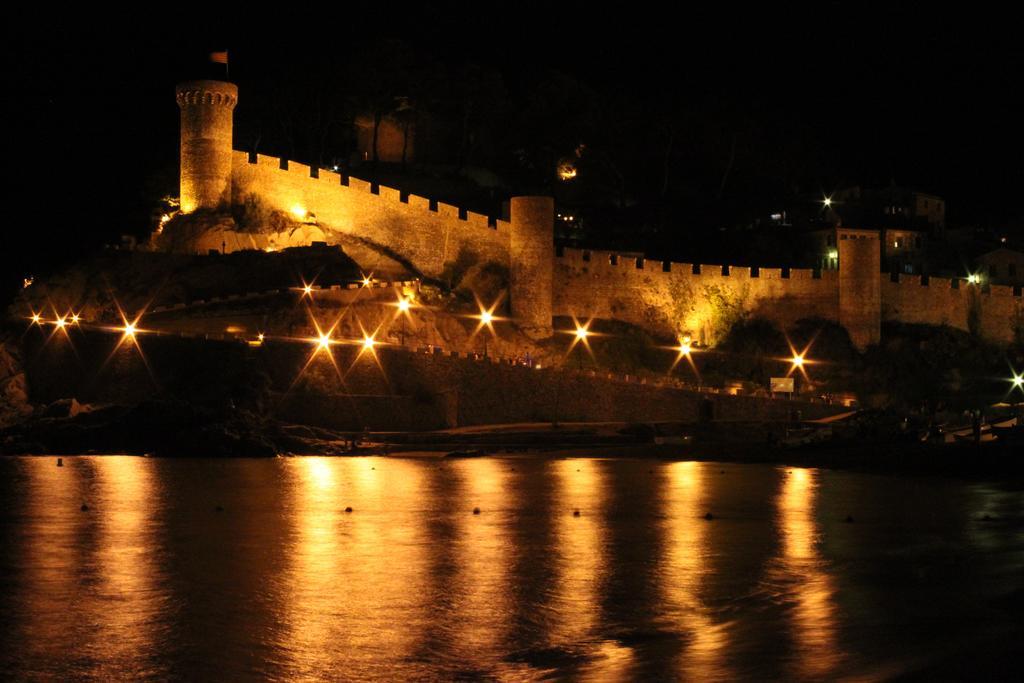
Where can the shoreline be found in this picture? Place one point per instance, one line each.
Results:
(965, 461)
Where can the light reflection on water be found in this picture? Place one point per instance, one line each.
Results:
(253, 569)
(805, 574)
(687, 566)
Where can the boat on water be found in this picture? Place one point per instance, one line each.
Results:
(988, 431)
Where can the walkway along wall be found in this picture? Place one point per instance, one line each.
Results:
(400, 390)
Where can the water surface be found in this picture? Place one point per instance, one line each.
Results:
(245, 569)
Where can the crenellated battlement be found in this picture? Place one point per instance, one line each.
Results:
(215, 93)
(695, 299)
(427, 232)
(387, 195)
(615, 261)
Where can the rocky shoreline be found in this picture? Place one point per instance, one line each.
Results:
(179, 429)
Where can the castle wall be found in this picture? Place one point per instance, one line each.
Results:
(673, 299)
(426, 233)
(936, 301)
(680, 298)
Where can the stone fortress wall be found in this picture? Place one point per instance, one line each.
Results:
(673, 299)
(669, 299)
(427, 233)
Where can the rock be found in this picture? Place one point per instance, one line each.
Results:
(14, 405)
(64, 407)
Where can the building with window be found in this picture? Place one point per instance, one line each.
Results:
(1001, 266)
(890, 207)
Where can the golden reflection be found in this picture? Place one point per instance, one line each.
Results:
(49, 570)
(315, 555)
(581, 542)
(688, 551)
(356, 579)
(811, 586)
(482, 590)
(581, 485)
(128, 595)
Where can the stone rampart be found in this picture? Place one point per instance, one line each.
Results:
(675, 299)
(997, 309)
(427, 233)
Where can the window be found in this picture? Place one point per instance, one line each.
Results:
(1011, 269)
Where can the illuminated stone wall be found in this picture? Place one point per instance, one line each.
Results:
(670, 299)
(426, 233)
(997, 310)
(674, 299)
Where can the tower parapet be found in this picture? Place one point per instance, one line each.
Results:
(531, 262)
(207, 110)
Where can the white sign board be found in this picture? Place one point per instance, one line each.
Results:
(782, 385)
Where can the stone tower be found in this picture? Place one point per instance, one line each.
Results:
(207, 109)
(532, 255)
(860, 285)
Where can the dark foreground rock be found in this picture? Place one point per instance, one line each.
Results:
(167, 428)
(14, 404)
(163, 428)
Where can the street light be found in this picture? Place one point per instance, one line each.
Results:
(486, 320)
(582, 333)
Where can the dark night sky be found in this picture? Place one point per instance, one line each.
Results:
(930, 99)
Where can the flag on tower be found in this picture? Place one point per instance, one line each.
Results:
(219, 57)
